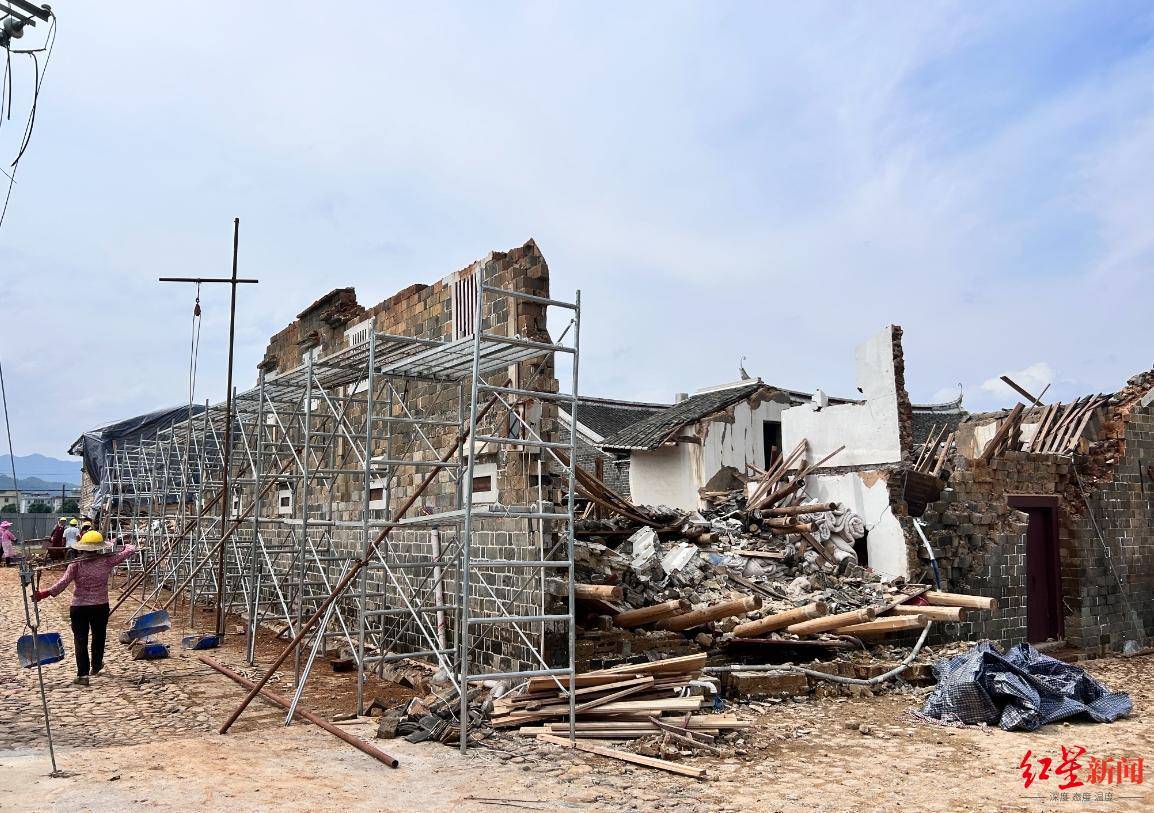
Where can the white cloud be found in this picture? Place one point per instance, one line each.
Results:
(1033, 379)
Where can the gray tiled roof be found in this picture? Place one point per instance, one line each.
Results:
(927, 416)
(607, 417)
(657, 428)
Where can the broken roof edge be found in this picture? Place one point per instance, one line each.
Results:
(657, 429)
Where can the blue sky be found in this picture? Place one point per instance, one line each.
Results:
(774, 181)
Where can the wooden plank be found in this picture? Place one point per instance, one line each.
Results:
(1077, 426)
(1040, 433)
(937, 470)
(543, 684)
(683, 663)
(597, 702)
(611, 687)
(705, 722)
(1059, 426)
(625, 756)
(960, 600)
(883, 626)
(925, 446)
(1004, 430)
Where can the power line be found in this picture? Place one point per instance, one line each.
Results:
(39, 73)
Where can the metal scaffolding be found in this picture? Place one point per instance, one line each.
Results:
(319, 456)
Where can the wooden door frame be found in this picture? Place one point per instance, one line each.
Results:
(1050, 501)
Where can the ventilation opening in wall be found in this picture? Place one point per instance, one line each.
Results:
(464, 302)
(377, 495)
(284, 498)
(485, 483)
(359, 333)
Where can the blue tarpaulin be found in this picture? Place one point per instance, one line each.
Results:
(1021, 690)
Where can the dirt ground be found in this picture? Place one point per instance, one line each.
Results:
(144, 738)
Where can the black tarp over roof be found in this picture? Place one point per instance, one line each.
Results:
(95, 446)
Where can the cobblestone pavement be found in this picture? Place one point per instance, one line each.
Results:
(133, 701)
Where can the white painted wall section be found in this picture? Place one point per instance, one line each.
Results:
(738, 443)
(867, 494)
(666, 476)
(869, 431)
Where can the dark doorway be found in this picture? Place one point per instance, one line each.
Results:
(771, 441)
(1044, 619)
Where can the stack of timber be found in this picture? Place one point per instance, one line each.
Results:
(628, 702)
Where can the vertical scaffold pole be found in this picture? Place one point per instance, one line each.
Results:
(258, 471)
(467, 532)
(363, 577)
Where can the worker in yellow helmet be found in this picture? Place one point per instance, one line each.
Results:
(89, 610)
(71, 537)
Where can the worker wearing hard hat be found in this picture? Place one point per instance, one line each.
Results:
(71, 537)
(89, 610)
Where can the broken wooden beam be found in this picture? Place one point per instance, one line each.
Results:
(752, 629)
(598, 592)
(830, 623)
(652, 613)
(952, 614)
(1008, 425)
(883, 626)
(737, 606)
(960, 600)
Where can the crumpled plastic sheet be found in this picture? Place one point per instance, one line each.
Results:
(1021, 690)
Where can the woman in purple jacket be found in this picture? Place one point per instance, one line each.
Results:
(89, 610)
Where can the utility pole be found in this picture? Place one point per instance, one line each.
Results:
(226, 503)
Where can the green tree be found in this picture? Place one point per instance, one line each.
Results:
(39, 508)
(10, 508)
(70, 507)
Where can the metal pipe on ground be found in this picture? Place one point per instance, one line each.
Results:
(356, 742)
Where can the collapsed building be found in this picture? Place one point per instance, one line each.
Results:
(410, 471)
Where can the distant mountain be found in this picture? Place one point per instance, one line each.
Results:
(34, 484)
(49, 470)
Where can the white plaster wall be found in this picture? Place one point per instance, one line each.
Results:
(738, 443)
(666, 476)
(869, 431)
(866, 494)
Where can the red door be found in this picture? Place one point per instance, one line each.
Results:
(1044, 619)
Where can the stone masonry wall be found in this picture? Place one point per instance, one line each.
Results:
(426, 311)
(980, 541)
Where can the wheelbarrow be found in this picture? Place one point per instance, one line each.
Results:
(149, 624)
(40, 650)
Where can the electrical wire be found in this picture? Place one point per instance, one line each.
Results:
(46, 49)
